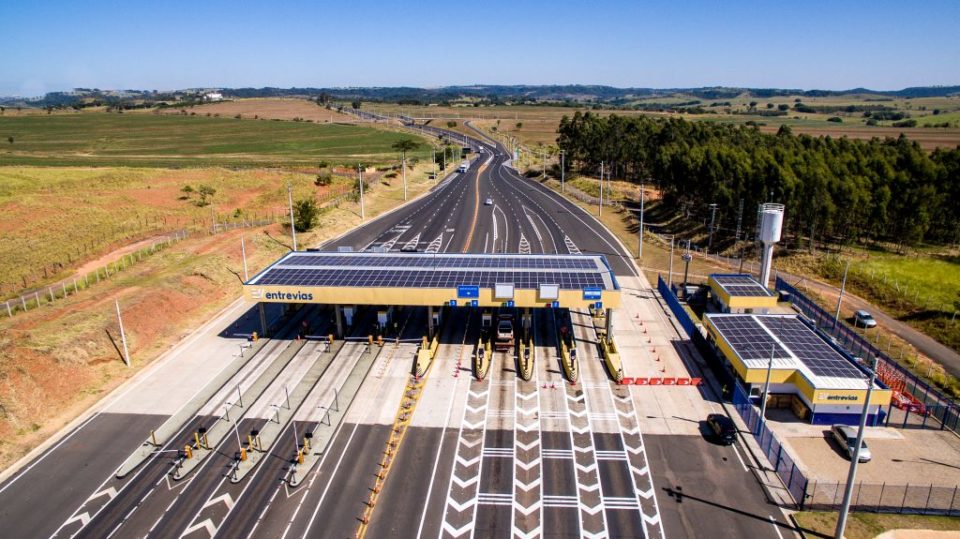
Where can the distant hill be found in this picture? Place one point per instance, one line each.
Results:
(492, 94)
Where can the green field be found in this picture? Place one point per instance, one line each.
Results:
(149, 140)
(868, 525)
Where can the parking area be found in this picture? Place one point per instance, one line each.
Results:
(899, 456)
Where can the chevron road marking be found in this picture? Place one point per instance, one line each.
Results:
(461, 507)
(205, 525)
(109, 491)
(468, 462)
(225, 498)
(527, 486)
(466, 483)
(528, 447)
(457, 532)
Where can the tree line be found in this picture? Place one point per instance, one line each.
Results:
(834, 190)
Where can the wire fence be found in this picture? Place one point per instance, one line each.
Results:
(34, 299)
(937, 409)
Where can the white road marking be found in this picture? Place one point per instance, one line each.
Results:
(776, 527)
(737, 453)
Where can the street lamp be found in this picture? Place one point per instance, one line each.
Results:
(562, 168)
(852, 474)
(713, 216)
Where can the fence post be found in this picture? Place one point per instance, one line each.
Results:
(9, 312)
(952, 499)
(36, 296)
(24, 302)
(883, 487)
(906, 489)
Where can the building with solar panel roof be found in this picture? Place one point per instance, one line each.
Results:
(740, 293)
(816, 378)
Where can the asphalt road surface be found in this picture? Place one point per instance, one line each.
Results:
(498, 457)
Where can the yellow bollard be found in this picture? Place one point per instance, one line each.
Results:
(300, 457)
(380, 340)
(254, 337)
(243, 453)
(196, 439)
(188, 451)
(153, 437)
(370, 340)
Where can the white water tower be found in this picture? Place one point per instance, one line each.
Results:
(771, 223)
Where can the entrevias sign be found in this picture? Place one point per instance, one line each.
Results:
(288, 296)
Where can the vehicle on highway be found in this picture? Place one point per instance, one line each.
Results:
(865, 319)
(846, 436)
(488, 201)
(723, 428)
(504, 342)
(465, 166)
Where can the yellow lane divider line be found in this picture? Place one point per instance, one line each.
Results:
(476, 208)
(408, 405)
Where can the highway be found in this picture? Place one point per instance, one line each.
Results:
(494, 457)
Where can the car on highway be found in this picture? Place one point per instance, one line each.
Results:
(846, 436)
(723, 428)
(488, 201)
(864, 319)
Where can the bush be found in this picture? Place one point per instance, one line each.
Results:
(835, 119)
(323, 179)
(906, 123)
(305, 213)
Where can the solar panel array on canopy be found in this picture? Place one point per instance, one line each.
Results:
(321, 269)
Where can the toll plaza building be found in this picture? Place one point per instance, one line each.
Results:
(816, 379)
(740, 293)
(435, 280)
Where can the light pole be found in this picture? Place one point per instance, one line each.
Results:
(123, 335)
(852, 475)
(563, 168)
(670, 278)
(713, 216)
(293, 229)
(766, 391)
(243, 250)
(640, 247)
(403, 168)
(843, 286)
(360, 172)
(686, 257)
(600, 206)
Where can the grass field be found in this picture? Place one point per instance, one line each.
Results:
(158, 140)
(869, 525)
(56, 361)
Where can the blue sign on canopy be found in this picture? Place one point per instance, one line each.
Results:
(453, 303)
(592, 293)
(468, 291)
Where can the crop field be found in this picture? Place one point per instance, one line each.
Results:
(156, 140)
(538, 124)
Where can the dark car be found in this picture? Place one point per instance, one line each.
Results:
(723, 428)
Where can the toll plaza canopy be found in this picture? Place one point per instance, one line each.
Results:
(437, 279)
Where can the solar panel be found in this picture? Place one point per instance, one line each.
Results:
(322, 269)
(748, 338)
(820, 357)
(741, 285)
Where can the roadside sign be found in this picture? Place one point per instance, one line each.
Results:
(598, 305)
(474, 303)
(468, 291)
(592, 292)
(555, 305)
(510, 303)
(453, 303)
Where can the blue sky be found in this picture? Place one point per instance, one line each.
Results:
(57, 45)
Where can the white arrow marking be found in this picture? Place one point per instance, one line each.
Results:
(527, 465)
(527, 510)
(468, 462)
(109, 491)
(587, 469)
(461, 507)
(590, 488)
(528, 447)
(532, 533)
(84, 518)
(527, 486)
(591, 510)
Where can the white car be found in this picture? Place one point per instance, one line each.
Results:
(865, 319)
(488, 202)
(846, 436)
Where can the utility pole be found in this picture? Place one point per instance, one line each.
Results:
(563, 168)
(435, 173)
(360, 172)
(293, 229)
(600, 207)
(739, 219)
(843, 286)
(123, 335)
(243, 250)
(713, 216)
(640, 248)
(852, 474)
